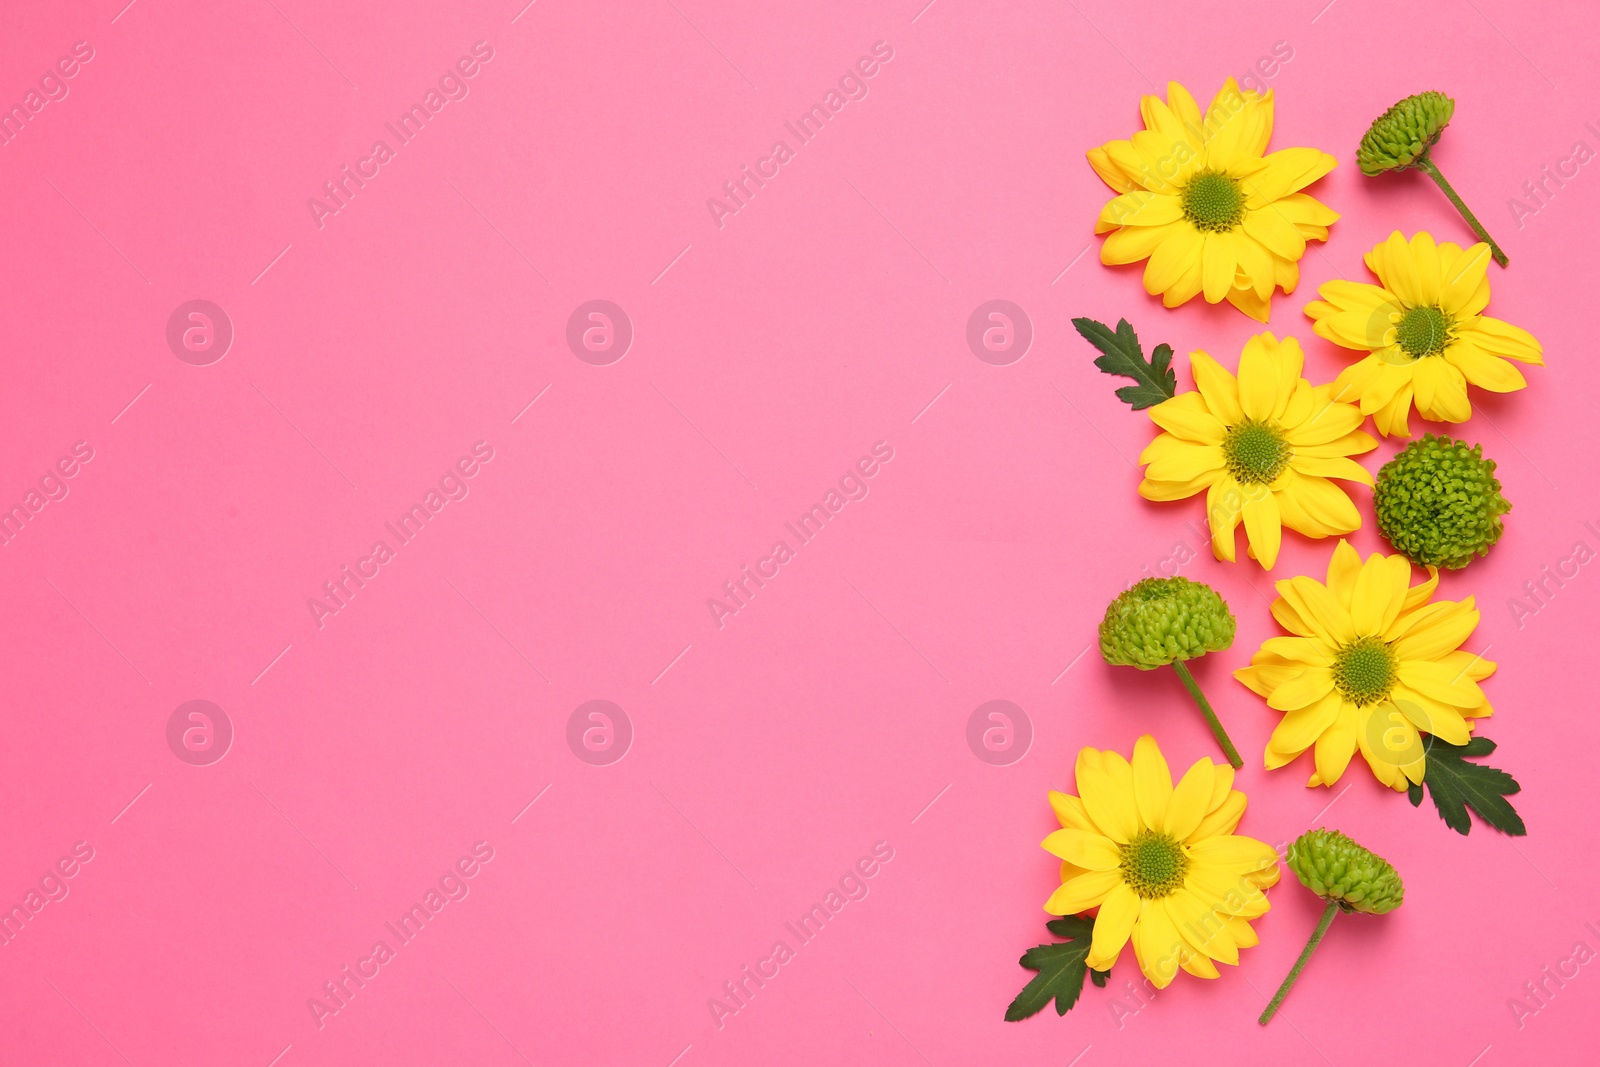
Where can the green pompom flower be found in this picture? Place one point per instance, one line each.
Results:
(1403, 137)
(1341, 872)
(1438, 502)
(1348, 878)
(1403, 134)
(1161, 621)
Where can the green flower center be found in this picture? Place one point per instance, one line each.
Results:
(1213, 202)
(1423, 331)
(1153, 864)
(1256, 452)
(1364, 671)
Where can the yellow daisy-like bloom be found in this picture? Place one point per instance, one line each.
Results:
(1425, 333)
(1373, 660)
(1200, 201)
(1263, 446)
(1161, 862)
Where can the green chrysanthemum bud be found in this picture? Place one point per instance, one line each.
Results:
(1403, 137)
(1398, 137)
(1341, 872)
(1160, 620)
(1438, 502)
(1168, 620)
(1348, 878)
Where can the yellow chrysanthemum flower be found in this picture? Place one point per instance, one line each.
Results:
(1161, 862)
(1263, 446)
(1425, 332)
(1372, 661)
(1200, 201)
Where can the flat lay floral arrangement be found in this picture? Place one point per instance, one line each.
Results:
(1371, 662)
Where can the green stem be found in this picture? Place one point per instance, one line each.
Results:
(1211, 717)
(1311, 946)
(1432, 171)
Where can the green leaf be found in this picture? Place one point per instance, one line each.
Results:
(1061, 970)
(1124, 358)
(1457, 785)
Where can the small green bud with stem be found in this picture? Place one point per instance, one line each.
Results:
(1161, 621)
(1404, 136)
(1348, 878)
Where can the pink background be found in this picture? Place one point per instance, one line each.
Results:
(769, 354)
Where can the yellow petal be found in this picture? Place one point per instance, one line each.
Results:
(1256, 271)
(1471, 664)
(1224, 819)
(1219, 388)
(1247, 301)
(1466, 280)
(1438, 681)
(1224, 501)
(1110, 172)
(1343, 570)
(1111, 809)
(1351, 444)
(1234, 854)
(1263, 678)
(1341, 295)
(1305, 651)
(1264, 526)
(1186, 416)
(1172, 259)
(1275, 232)
(1286, 171)
(1430, 716)
(1380, 592)
(1202, 927)
(1483, 370)
(1503, 339)
(1441, 391)
(1336, 745)
(1157, 945)
(1219, 263)
(1325, 503)
(1392, 418)
(1113, 926)
(1307, 212)
(1297, 730)
(1313, 603)
(1141, 208)
(1186, 464)
(1084, 848)
(1341, 467)
(1229, 892)
(1183, 105)
(1425, 258)
(1258, 381)
(1083, 892)
(1190, 799)
(1419, 594)
(1394, 265)
(1438, 629)
(1070, 811)
(1152, 781)
(1131, 244)
(1163, 491)
(1327, 420)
